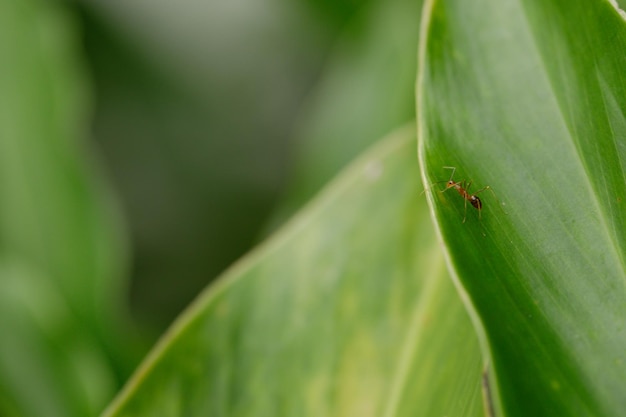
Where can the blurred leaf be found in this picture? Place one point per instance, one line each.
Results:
(49, 364)
(173, 80)
(346, 311)
(335, 13)
(60, 258)
(529, 97)
(366, 91)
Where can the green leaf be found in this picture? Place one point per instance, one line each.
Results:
(59, 260)
(345, 311)
(529, 97)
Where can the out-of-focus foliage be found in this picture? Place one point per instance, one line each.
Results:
(193, 106)
(61, 252)
(366, 91)
(174, 81)
(335, 315)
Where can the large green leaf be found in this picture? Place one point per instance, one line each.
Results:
(346, 311)
(59, 258)
(529, 97)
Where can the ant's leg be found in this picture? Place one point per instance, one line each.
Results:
(431, 186)
(466, 187)
(465, 210)
(494, 196)
(482, 227)
(453, 171)
(483, 189)
(446, 189)
(480, 210)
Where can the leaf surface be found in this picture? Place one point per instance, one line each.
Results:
(345, 311)
(529, 97)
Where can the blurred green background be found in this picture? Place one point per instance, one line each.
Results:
(211, 117)
(195, 115)
(145, 146)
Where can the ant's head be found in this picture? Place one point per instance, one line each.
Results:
(450, 184)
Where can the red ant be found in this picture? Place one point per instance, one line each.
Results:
(463, 189)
